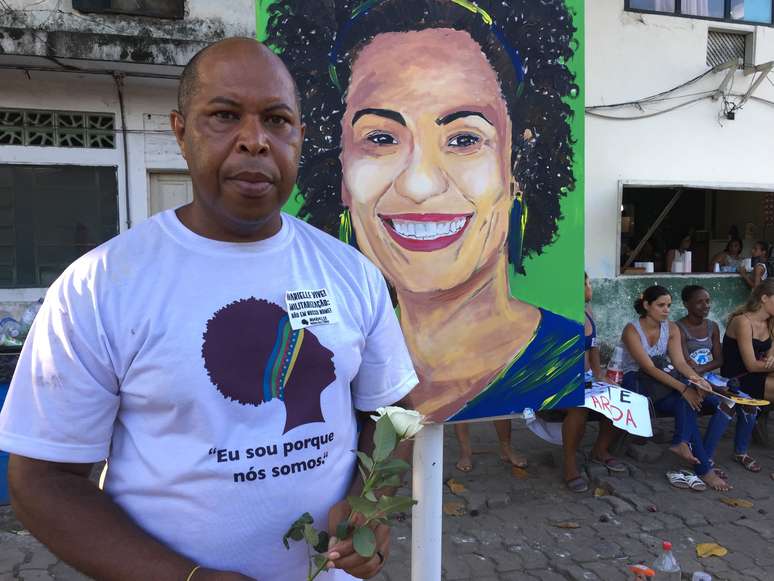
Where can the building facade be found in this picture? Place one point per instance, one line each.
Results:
(86, 88)
(679, 142)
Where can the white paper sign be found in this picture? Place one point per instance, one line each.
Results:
(307, 308)
(627, 410)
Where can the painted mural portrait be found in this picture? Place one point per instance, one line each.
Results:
(438, 145)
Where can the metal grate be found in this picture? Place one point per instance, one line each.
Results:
(725, 46)
(57, 128)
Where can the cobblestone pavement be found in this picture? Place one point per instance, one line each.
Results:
(508, 528)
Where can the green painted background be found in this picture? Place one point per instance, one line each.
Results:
(554, 280)
(613, 302)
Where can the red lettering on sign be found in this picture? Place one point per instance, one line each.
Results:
(630, 419)
(595, 401)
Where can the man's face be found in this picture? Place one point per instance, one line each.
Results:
(426, 152)
(241, 136)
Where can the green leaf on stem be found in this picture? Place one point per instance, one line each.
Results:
(390, 504)
(370, 496)
(296, 530)
(311, 535)
(320, 560)
(367, 508)
(365, 460)
(364, 542)
(392, 466)
(385, 439)
(393, 481)
(342, 529)
(322, 543)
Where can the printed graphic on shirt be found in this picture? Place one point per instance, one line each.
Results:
(702, 356)
(252, 356)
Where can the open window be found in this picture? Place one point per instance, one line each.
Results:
(659, 224)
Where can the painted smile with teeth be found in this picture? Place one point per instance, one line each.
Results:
(425, 232)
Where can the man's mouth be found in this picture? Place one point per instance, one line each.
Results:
(252, 183)
(425, 232)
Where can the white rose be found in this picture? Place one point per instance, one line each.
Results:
(407, 423)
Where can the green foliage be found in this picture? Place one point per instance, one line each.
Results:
(364, 541)
(385, 439)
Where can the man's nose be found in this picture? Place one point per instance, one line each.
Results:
(252, 138)
(423, 177)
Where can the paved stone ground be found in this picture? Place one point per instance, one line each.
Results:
(508, 530)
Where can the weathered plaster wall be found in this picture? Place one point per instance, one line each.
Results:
(53, 28)
(613, 302)
(630, 56)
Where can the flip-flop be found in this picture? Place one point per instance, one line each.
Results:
(612, 464)
(464, 467)
(577, 484)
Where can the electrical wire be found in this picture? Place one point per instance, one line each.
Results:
(647, 115)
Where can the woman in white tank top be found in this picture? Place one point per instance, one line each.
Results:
(650, 336)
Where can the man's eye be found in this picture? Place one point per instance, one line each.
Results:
(226, 115)
(463, 140)
(277, 120)
(380, 138)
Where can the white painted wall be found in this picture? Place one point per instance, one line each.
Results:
(630, 56)
(147, 104)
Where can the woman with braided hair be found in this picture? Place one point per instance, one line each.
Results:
(438, 143)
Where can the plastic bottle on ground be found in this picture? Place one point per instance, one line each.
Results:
(666, 565)
(614, 372)
(701, 576)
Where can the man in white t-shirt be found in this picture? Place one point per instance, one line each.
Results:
(217, 355)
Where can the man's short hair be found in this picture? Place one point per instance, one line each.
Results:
(189, 78)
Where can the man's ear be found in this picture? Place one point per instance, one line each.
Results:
(177, 123)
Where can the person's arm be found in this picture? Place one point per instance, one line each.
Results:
(632, 342)
(717, 354)
(719, 258)
(595, 363)
(742, 331)
(82, 525)
(342, 554)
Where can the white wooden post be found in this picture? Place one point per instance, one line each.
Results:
(427, 514)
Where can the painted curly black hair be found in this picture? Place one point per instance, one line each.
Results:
(319, 40)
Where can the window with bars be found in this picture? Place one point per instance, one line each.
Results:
(752, 11)
(49, 216)
(57, 128)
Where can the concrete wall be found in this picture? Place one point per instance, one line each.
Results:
(631, 56)
(613, 303)
(53, 28)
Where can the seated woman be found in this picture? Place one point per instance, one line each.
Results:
(760, 269)
(650, 336)
(678, 250)
(731, 257)
(575, 421)
(747, 345)
(703, 352)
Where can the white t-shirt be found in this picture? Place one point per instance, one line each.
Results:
(171, 355)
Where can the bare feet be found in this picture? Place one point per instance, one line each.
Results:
(684, 451)
(716, 482)
(508, 455)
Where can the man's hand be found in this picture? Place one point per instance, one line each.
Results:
(342, 555)
(213, 575)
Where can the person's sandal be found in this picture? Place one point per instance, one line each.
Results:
(611, 463)
(678, 479)
(748, 462)
(577, 484)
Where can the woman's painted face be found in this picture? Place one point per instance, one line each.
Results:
(426, 154)
(659, 309)
(699, 304)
